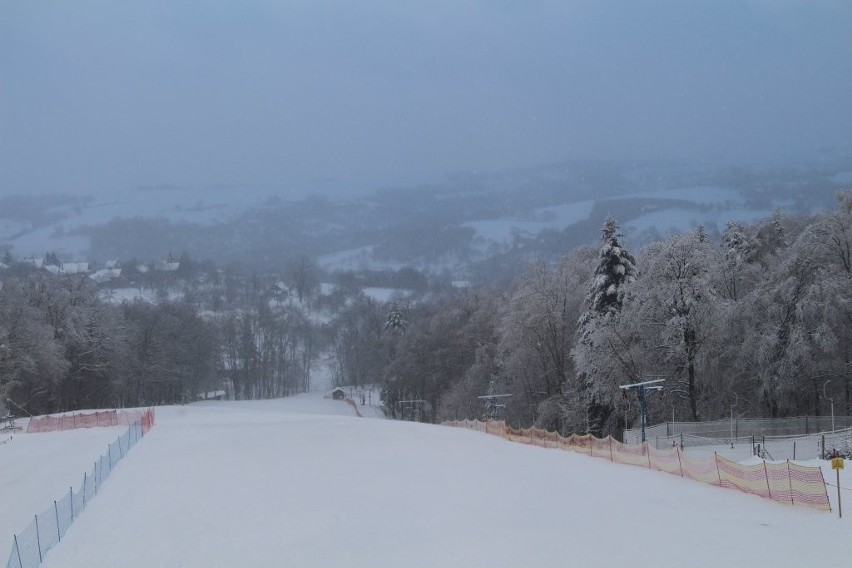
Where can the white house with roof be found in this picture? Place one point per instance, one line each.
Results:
(74, 268)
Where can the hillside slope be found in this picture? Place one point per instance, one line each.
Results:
(298, 482)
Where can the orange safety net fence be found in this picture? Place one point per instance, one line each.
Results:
(784, 482)
(91, 420)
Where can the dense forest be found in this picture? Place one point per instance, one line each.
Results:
(760, 318)
(188, 329)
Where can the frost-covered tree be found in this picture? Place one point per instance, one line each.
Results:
(737, 254)
(359, 346)
(615, 271)
(678, 307)
(770, 239)
(610, 353)
(396, 321)
(787, 334)
(830, 236)
(447, 343)
(736, 243)
(823, 305)
(616, 268)
(777, 345)
(537, 335)
(32, 362)
(303, 276)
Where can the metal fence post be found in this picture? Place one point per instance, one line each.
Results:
(18, 550)
(766, 473)
(84, 488)
(790, 481)
(716, 460)
(71, 497)
(38, 540)
(56, 510)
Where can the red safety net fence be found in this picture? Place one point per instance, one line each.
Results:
(92, 420)
(783, 482)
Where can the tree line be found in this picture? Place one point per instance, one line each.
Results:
(65, 345)
(63, 348)
(760, 321)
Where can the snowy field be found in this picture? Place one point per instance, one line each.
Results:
(205, 206)
(556, 217)
(303, 482)
(384, 295)
(121, 295)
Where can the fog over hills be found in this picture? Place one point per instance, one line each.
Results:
(475, 226)
(444, 135)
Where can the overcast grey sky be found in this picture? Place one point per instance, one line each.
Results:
(104, 95)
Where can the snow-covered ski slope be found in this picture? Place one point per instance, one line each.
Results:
(302, 482)
(35, 469)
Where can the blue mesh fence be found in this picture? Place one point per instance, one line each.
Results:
(78, 500)
(90, 483)
(49, 527)
(64, 513)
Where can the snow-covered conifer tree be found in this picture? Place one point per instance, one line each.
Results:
(616, 267)
(396, 320)
(735, 243)
(735, 270)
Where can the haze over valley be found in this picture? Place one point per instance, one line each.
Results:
(476, 226)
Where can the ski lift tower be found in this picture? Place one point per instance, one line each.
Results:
(493, 406)
(643, 389)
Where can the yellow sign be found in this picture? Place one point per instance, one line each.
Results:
(837, 463)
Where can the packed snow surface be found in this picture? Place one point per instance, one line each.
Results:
(35, 469)
(302, 482)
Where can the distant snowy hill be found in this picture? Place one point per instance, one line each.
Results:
(451, 226)
(64, 230)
